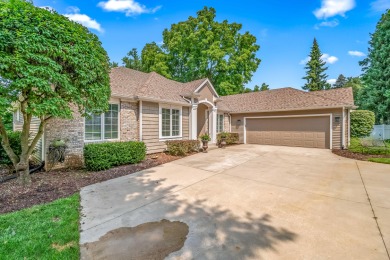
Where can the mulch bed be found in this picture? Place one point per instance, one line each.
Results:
(357, 156)
(48, 186)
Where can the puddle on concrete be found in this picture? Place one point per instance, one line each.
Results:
(152, 240)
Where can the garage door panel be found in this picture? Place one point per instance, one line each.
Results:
(313, 132)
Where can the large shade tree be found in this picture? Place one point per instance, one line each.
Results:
(315, 70)
(52, 67)
(203, 47)
(375, 95)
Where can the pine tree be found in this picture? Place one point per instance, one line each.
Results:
(340, 82)
(375, 94)
(315, 75)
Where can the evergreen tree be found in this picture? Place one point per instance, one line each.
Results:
(375, 94)
(256, 88)
(340, 82)
(315, 75)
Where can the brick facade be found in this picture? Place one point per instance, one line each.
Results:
(129, 121)
(72, 131)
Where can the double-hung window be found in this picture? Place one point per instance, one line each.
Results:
(105, 126)
(219, 123)
(170, 122)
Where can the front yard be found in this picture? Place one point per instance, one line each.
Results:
(367, 150)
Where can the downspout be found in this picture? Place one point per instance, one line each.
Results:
(140, 121)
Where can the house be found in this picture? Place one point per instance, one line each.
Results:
(152, 108)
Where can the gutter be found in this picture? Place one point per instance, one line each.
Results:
(294, 109)
(155, 100)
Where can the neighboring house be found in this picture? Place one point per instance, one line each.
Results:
(153, 109)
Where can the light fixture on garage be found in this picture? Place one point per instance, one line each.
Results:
(337, 119)
(239, 122)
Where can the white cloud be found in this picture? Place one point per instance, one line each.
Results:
(47, 7)
(325, 57)
(333, 23)
(130, 7)
(356, 53)
(380, 5)
(328, 58)
(331, 81)
(330, 8)
(304, 61)
(83, 19)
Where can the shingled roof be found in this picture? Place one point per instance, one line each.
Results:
(128, 83)
(286, 99)
(136, 84)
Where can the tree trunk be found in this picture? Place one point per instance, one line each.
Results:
(23, 171)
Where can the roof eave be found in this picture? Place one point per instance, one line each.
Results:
(293, 109)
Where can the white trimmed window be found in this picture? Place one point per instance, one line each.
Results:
(219, 123)
(104, 126)
(170, 122)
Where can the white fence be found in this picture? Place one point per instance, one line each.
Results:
(381, 132)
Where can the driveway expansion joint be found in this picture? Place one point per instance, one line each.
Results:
(373, 211)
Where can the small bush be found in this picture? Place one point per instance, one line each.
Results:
(14, 139)
(103, 156)
(231, 138)
(362, 123)
(357, 146)
(182, 147)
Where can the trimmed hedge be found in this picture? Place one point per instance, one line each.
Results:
(231, 138)
(14, 139)
(362, 123)
(103, 156)
(182, 147)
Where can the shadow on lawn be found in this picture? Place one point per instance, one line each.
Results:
(215, 231)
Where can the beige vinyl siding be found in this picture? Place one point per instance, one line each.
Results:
(150, 127)
(186, 123)
(205, 93)
(238, 127)
(35, 122)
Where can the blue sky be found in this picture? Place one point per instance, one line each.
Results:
(284, 29)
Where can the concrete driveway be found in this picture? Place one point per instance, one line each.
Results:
(245, 202)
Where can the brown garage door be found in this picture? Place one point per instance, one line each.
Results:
(312, 132)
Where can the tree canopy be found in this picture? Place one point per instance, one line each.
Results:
(340, 82)
(375, 94)
(51, 65)
(203, 47)
(315, 74)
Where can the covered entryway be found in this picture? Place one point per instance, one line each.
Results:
(296, 131)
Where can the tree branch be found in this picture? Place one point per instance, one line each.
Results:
(6, 145)
(38, 135)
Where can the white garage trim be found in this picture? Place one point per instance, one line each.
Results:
(313, 115)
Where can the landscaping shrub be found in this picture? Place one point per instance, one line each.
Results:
(14, 139)
(357, 146)
(103, 156)
(231, 138)
(182, 147)
(362, 123)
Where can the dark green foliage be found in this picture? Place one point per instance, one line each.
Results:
(362, 123)
(315, 75)
(113, 64)
(182, 147)
(14, 139)
(231, 138)
(103, 156)
(340, 82)
(132, 60)
(264, 87)
(375, 94)
(356, 84)
(202, 47)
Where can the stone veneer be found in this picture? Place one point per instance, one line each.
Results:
(129, 121)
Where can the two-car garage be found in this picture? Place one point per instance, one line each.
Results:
(312, 131)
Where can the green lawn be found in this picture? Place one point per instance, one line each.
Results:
(49, 231)
(380, 160)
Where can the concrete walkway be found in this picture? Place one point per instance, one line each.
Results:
(253, 202)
